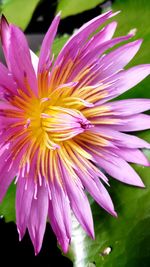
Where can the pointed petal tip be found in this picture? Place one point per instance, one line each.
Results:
(139, 42)
(64, 244)
(132, 32)
(59, 14)
(92, 235)
(65, 248)
(20, 233)
(36, 252)
(139, 183)
(3, 19)
(114, 214)
(91, 232)
(37, 249)
(115, 13)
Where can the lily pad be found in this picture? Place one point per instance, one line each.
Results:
(7, 207)
(19, 12)
(72, 7)
(135, 15)
(59, 43)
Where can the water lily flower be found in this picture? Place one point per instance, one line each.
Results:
(59, 128)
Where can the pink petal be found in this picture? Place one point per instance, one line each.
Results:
(7, 81)
(98, 192)
(134, 123)
(82, 34)
(45, 52)
(92, 56)
(120, 139)
(8, 168)
(104, 35)
(17, 55)
(7, 176)
(129, 107)
(24, 198)
(5, 37)
(60, 215)
(38, 217)
(125, 80)
(133, 155)
(119, 169)
(79, 203)
(119, 58)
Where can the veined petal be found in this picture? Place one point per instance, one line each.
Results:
(7, 175)
(82, 34)
(7, 81)
(92, 56)
(45, 52)
(120, 139)
(60, 215)
(38, 216)
(134, 123)
(129, 107)
(5, 38)
(119, 58)
(125, 80)
(119, 169)
(18, 56)
(98, 192)
(133, 155)
(8, 168)
(78, 202)
(101, 37)
(24, 196)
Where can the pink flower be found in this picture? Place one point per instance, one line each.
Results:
(59, 125)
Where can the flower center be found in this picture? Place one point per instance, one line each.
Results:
(54, 124)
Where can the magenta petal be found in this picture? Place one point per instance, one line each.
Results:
(5, 37)
(121, 139)
(7, 81)
(79, 203)
(125, 80)
(60, 215)
(45, 52)
(133, 155)
(119, 58)
(82, 35)
(93, 54)
(8, 169)
(134, 123)
(7, 176)
(38, 217)
(119, 169)
(101, 37)
(24, 195)
(98, 192)
(129, 107)
(17, 55)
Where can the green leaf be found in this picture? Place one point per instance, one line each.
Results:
(7, 207)
(72, 7)
(59, 43)
(135, 14)
(19, 12)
